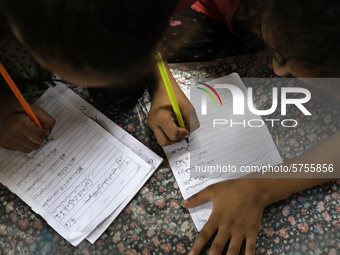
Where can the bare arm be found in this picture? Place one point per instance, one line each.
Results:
(327, 152)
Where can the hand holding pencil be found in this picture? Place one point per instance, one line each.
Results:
(171, 115)
(19, 130)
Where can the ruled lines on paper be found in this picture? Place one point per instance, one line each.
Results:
(79, 177)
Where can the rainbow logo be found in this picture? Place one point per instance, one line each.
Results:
(209, 93)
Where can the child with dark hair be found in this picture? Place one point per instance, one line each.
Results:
(105, 42)
(107, 45)
(304, 39)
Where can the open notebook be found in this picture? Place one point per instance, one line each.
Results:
(221, 145)
(82, 177)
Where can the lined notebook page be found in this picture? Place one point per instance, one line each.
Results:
(125, 138)
(223, 145)
(120, 134)
(78, 177)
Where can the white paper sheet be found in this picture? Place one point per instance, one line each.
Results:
(223, 145)
(78, 177)
(125, 138)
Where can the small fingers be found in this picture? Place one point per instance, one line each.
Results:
(165, 128)
(23, 133)
(172, 131)
(235, 245)
(220, 241)
(199, 198)
(46, 120)
(250, 245)
(35, 134)
(203, 237)
(163, 139)
(29, 144)
(14, 145)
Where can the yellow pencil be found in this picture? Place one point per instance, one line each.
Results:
(18, 95)
(169, 89)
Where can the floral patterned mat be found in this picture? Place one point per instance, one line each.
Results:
(155, 223)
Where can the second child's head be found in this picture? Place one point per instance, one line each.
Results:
(304, 36)
(103, 42)
(91, 42)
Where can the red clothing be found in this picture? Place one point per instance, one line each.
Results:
(220, 10)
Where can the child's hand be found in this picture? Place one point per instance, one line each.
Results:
(161, 118)
(237, 212)
(17, 131)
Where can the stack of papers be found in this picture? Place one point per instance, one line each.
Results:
(84, 175)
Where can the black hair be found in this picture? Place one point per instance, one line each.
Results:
(103, 35)
(305, 30)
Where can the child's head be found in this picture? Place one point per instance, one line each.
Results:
(304, 36)
(90, 39)
(114, 40)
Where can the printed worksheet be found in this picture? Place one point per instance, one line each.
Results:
(221, 148)
(125, 138)
(79, 176)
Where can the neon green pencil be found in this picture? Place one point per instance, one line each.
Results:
(169, 90)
